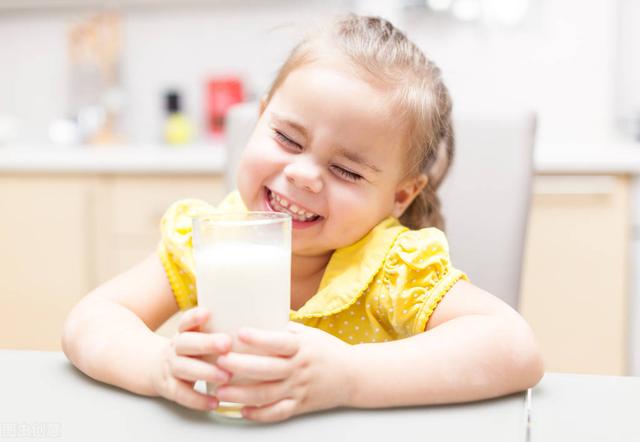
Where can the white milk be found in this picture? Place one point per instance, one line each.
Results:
(244, 284)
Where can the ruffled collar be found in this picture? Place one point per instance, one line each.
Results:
(350, 270)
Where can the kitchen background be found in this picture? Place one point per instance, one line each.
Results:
(574, 63)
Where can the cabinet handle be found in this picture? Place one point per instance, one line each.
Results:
(585, 186)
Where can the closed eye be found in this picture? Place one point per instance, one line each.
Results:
(283, 139)
(341, 172)
(346, 174)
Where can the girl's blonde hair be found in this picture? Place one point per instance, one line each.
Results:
(384, 54)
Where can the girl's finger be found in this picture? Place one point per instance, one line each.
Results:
(185, 395)
(190, 369)
(258, 368)
(296, 327)
(276, 412)
(253, 394)
(270, 342)
(201, 344)
(194, 318)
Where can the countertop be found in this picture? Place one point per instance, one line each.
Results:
(614, 158)
(618, 158)
(115, 159)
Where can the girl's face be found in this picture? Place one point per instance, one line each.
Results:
(328, 150)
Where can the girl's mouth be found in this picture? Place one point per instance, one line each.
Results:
(300, 218)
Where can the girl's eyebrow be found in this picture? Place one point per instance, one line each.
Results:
(291, 123)
(356, 158)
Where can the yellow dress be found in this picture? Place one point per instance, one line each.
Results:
(383, 287)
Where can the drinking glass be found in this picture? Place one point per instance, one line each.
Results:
(243, 268)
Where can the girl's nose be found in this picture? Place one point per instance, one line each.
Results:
(305, 175)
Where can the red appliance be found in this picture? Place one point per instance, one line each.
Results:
(222, 93)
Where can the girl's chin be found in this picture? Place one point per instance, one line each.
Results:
(304, 252)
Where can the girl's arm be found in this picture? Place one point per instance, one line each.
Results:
(476, 347)
(109, 334)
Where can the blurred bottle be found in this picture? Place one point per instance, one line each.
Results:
(177, 129)
(96, 97)
(222, 93)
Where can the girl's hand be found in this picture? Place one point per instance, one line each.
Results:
(306, 370)
(180, 362)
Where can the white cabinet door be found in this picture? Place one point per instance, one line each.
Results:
(575, 280)
(45, 256)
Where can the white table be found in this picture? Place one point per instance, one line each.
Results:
(42, 391)
(43, 395)
(586, 408)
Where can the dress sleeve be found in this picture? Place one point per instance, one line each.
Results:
(417, 273)
(176, 249)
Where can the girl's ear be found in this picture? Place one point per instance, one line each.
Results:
(407, 192)
(263, 104)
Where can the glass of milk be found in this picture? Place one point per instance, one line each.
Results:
(243, 275)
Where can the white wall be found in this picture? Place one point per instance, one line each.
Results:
(169, 46)
(628, 67)
(560, 61)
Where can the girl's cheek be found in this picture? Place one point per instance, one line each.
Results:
(259, 162)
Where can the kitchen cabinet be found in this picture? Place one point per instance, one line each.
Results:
(132, 210)
(45, 232)
(576, 272)
(63, 235)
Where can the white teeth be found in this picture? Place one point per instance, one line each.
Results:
(283, 202)
(296, 212)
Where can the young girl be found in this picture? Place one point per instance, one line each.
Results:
(353, 140)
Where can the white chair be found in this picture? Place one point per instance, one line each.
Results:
(485, 197)
(239, 124)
